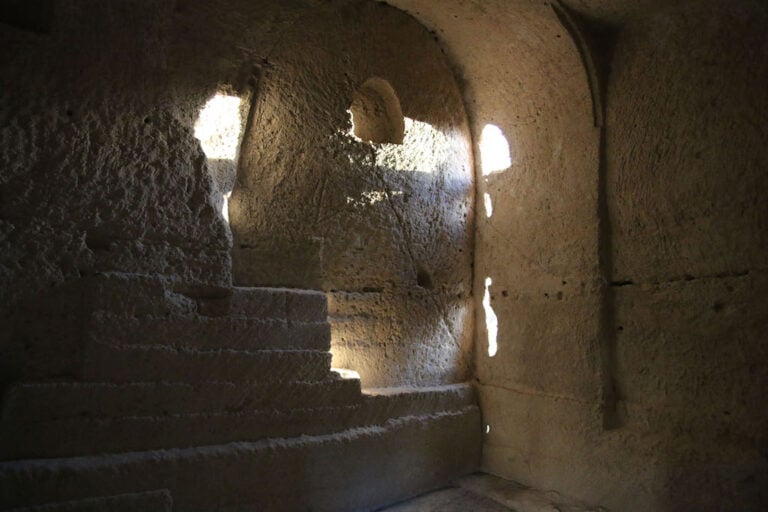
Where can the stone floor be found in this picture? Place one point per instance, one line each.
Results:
(487, 493)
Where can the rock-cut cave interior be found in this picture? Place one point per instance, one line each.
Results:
(354, 255)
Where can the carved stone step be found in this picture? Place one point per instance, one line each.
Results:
(212, 332)
(135, 363)
(34, 402)
(403, 457)
(127, 295)
(83, 435)
(149, 501)
(288, 304)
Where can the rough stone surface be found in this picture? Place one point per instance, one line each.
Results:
(165, 328)
(150, 501)
(520, 498)
(412, 455)
(109, 419)
(131, 417)
(243, 333)
(628, 269)
(102, 172)
(47, 401)
(104, 363)
(448, 500)
(540, 245)
(98, 172)
(487, 493)
(385, 228)
(625, 240)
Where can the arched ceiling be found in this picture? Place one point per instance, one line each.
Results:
(517, 65)
(505, 51)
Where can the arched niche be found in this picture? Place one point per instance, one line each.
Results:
(376, 113)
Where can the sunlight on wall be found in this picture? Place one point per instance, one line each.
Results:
(346, 373)
(225, 206)
(488, 204)
(218, 129)
(372, 197)
(494, 150)
(401, 143)
(491, 321)
(424, 149)
(421, 181)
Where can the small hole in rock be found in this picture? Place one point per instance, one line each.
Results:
(424, 279)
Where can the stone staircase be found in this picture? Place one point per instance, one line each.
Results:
(220, 400)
